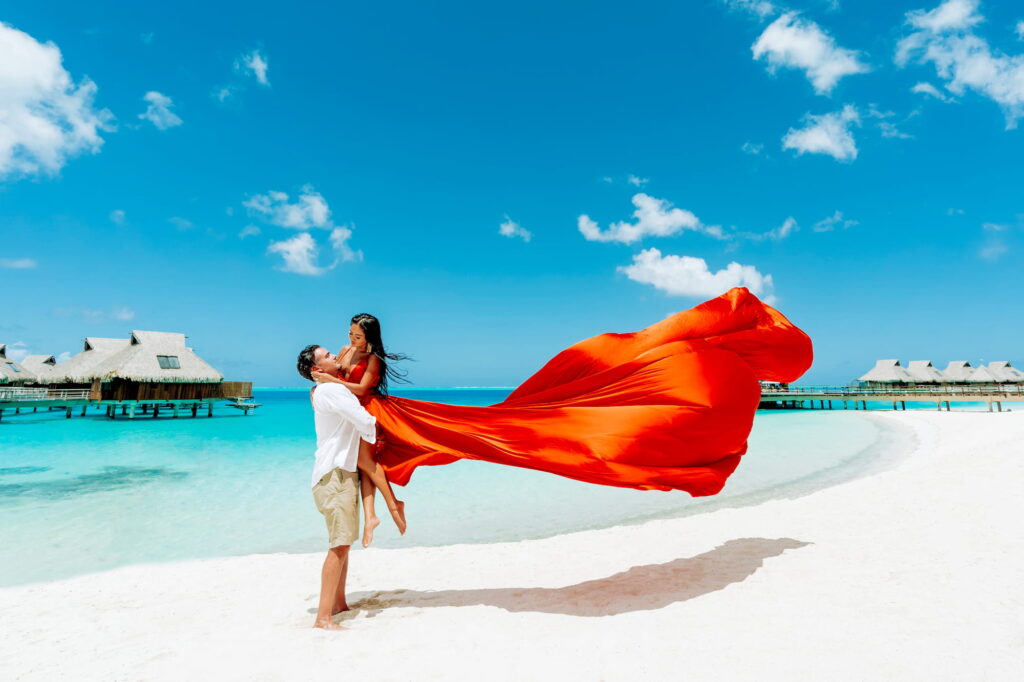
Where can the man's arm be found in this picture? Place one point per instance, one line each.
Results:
(341, 401)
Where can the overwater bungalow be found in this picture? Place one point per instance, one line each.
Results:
(156, 366)
(923, 372)
(887, 372)
(80, 371)
(982, 375)
(957, 371)
(1005, 373)
(42, 366)
(13, 373)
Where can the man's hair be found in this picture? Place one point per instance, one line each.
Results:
(307, 358)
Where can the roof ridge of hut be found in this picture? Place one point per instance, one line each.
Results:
(923, 371)
(157, 357)
(79, 369)
(887, 371)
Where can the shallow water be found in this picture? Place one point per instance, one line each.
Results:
(89, 493)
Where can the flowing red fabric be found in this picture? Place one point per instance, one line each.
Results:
(669, 407)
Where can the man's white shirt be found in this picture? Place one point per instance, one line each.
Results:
(341, 422)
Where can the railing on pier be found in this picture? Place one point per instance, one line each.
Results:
(22, 393)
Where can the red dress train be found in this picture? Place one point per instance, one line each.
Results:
(668, 407)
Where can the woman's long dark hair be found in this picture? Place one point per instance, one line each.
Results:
(371, 328)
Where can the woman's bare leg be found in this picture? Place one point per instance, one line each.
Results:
(368, 465)
(370, 520)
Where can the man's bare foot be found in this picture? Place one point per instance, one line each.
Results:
(368, 528)
(340, 608)
(328, 625)
(398, 514)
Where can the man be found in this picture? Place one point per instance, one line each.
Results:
(341, 422)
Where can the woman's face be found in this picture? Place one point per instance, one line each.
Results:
(357, 337)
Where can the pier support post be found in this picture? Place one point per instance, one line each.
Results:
(131, 411)
(156, 411)
(999, 404)
(17, 410)
(67, 413)
(195, 408)
(990, 406)
(209, 409)
(175, 408)
(1, 415)
(124, 409)
(84, 408)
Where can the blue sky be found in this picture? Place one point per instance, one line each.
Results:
(496, 183)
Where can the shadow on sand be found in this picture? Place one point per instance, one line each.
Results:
(641, 588)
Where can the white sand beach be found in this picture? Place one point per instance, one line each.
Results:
(912, 573)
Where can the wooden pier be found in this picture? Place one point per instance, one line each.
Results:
(21, 399)
(797, 397)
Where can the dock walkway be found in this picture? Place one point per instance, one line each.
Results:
(20, 398)
(795, 397)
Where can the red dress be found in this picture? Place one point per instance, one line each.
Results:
(668, 407)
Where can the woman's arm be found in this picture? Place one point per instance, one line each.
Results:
(369, 380)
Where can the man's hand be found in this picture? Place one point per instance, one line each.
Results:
(324, 377)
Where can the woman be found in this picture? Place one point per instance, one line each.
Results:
(365, 372)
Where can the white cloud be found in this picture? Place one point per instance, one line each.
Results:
(993, 250)
(751, 148)
(256, 64)
(637, 181)
(249, 231)
(796, 43)
(309, 211)
(18, 263)
(652, 218)
(951, 15)
(63, 357)
(181, 223)
(944, 37)
(122, 313)
(788, 227)
(511, 228)
(1020, 29)
(834, 221)
(17, 351)
(339, 240)
(886, 126)
(159, 111)
(224, 93)
(45, 118)
(690, 276)
(930, 90)
(301, 252)
(827, 134)
(762, 9)
(117, 216)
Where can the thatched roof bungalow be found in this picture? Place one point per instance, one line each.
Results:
(12, 372)
(42, 366)
(957, 370)
(81, 368)
(157, 365)
(923, 372)
(887, 372)
(982, 375)
(1005, 373)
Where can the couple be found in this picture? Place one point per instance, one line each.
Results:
(669, 407)
(346, 435)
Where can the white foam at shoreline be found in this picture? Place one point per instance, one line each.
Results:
(910, 573)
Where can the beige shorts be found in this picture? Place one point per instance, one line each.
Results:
(337, 498)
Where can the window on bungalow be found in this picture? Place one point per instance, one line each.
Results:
(168, 361)
(14, 367)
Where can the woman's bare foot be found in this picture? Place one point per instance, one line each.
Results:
(340, 608)
(398, 514)
(368, 528)
(328, 625)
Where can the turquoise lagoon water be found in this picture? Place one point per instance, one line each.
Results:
(89, 494)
